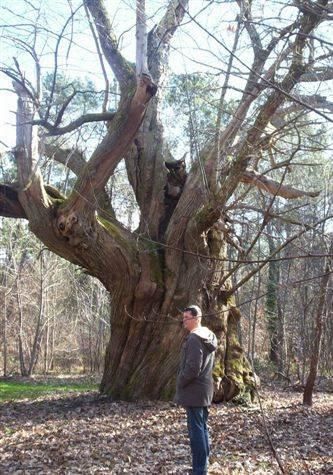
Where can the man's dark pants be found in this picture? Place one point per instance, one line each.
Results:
(198, 434)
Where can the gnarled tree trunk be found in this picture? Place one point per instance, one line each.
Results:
(143, 353)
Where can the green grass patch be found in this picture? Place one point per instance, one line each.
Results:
(11, 390)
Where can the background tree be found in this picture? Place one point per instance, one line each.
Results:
(48, 327)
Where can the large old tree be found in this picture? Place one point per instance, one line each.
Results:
(177, 255)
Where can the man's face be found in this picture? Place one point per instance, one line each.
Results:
(189, 322)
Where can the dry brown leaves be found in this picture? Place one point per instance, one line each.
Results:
(71, 434)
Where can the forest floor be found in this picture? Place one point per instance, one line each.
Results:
(84, 433)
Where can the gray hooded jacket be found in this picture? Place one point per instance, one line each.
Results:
(195, 380)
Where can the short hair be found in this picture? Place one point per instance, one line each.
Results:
(194, 310)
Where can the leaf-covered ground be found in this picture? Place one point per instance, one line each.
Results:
(72, 434)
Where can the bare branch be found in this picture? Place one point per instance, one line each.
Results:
(30, 49)
(26, 136)
(318, 75)
(74, 160)
(245, 9)
(22, 81)
(54, 79)
(84, 119)
(63, 108)
(267, 111)
(256, 83)
(32, 194)
(170, 21)
(71, 158)
(273, 187)
(112, 149)
(122, 69)
(247, 147)
(273, 254)
(100, 56)
(141, 38)
(222, 98)
(160, 36)
(266, 81)
(279, 119)
(317, 101)
(272, 215)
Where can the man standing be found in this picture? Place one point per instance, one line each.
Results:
(195, 384)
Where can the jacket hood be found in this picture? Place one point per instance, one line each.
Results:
(207, 336)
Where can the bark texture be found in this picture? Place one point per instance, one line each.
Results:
(318, 331)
